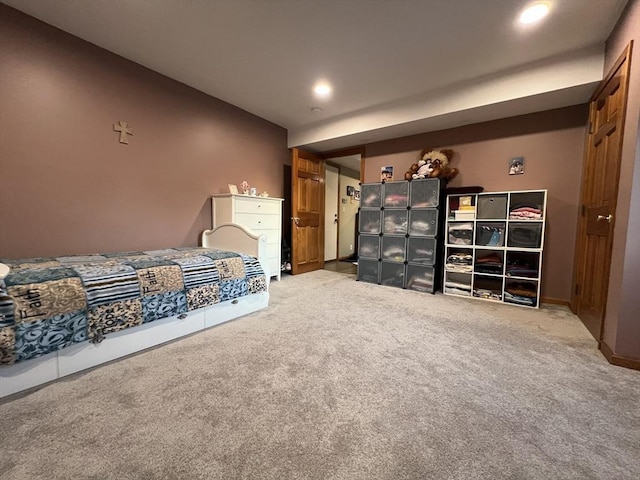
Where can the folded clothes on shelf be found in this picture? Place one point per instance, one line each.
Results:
(490, 235)
(395, 224)
(457, 288)
(422, 227)
(524, 211)
(459, 262)
(461, 234)
(487, 294)
(524, 236)
(394, 199)
(521, 293)
(522, 289)
(522, 267)
(393, 253)
(367, 250)
(422, 282)
(370, 227)
(521, 272)
(421, 255)
(371, 200)
(489, 263)
(511, 298)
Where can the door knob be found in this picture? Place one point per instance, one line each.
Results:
(296, 220)
(608, 218)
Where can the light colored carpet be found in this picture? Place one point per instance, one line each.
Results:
(340, 379)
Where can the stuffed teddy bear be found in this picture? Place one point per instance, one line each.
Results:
(424, 169)
(433, 164)
(412, 170)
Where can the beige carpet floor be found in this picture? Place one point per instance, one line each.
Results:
(340, 379)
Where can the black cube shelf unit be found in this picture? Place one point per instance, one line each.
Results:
(494, 246)
(399, 225)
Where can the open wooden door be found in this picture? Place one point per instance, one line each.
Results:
(599, 193)
(307, 211)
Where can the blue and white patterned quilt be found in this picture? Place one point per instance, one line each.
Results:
(49, 303)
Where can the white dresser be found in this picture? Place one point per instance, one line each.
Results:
(258, 214)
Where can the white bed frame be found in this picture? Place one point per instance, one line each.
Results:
(75, 358)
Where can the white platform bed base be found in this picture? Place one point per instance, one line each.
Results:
(75, 358)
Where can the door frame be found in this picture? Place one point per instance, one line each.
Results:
(337, 199)
(345, 152)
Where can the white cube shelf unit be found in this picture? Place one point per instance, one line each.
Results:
(398, 226)
(493, 246)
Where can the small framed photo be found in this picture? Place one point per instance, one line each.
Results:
(386, 174)
(233, 188)
(516, 165)
(356, 194)
(350, 189)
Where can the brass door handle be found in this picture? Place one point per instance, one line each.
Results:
(608, 218)
(296, 220)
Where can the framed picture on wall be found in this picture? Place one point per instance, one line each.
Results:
(356, 194)
(516, 165)
(386, 174)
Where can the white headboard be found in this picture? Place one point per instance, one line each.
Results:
(4, 270)
(236, 238)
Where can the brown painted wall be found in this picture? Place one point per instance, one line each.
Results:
(67, 186)
(621, 325)
(552, 143)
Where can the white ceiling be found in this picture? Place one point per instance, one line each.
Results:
(397, 67)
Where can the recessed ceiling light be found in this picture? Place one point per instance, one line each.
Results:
(534, 13)
(322, 90)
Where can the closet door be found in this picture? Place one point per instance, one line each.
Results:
(599, 194)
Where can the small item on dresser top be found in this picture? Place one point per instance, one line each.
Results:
(253, 191)
(264, 194)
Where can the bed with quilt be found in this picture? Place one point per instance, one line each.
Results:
(62, 315)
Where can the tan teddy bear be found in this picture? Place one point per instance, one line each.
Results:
(435, 164)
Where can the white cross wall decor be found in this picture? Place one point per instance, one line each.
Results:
(124, 131)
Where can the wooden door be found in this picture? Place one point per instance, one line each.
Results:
(598, 198)
(307, 211)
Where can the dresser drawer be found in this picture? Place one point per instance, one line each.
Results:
(257, 206)
(258, 222)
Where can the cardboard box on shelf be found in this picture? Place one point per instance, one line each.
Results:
(464, 214)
